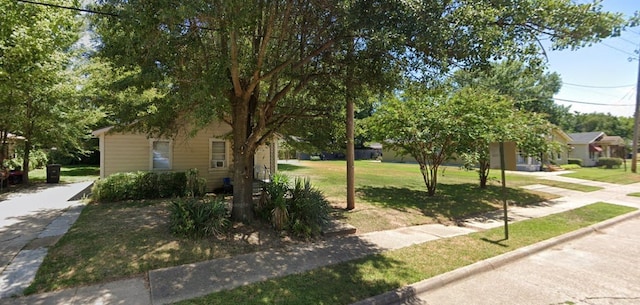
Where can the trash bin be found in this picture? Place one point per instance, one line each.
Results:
(53, 173)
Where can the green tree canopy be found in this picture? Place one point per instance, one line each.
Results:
(255, 65)
(530, 86)
(39, 94)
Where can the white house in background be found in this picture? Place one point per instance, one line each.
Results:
(590, 146)
(209, 151)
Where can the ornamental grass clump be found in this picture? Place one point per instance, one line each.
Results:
(300, 209)
(198, 218)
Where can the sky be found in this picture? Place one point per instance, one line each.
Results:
(602, 73)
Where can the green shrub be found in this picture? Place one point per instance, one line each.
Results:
(197, 218)
(308, 209)
(172, 184)
(610, 162)
(37, 159)
(272, 206)
(574, 161)
(301, 209)
(196, 186)
(570, 166)
(147, 185)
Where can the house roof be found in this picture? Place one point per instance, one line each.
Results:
(585, 137)
(100, 131)
(612, 140)
(562, 134)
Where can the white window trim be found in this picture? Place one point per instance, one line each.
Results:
(151, 154)
(226, 155)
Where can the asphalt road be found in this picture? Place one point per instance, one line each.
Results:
(600, 268)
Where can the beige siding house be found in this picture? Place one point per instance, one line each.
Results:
(208, 151)
(515, 160)
(591, 146)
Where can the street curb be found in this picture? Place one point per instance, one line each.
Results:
(411, 291)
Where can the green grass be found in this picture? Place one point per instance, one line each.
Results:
(614, 175)
(119, 240)
(634, 194)
(352, 281)
(392, 195)
(68, 174)
(569, 186)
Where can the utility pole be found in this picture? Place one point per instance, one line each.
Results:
(634, 150)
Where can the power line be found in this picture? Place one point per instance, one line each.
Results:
(620, 50)
(629, 41)
(598, 87)
(589, 103)
(69, 8)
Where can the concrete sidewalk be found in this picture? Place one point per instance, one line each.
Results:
(194, 280)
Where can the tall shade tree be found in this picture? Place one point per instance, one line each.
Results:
(38, 90)
(530, 86)
(254, 64)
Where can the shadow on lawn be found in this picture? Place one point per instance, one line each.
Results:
(453, 201)
(286, 167)
(80, 171)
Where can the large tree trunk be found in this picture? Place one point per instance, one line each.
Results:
(483, 172)
(242, 187)
(243, 161)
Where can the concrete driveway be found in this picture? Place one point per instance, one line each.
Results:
(30, 221)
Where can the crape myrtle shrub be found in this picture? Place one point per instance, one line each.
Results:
(148, 185)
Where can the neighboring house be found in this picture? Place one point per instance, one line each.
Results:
(9, 146)
(390, 155)
(517, 161)
(590, 146)
(208, 151)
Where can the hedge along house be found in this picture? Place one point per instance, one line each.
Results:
(516, 160)
(591, 146)
(208, 150)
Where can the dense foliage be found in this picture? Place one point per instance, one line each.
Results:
(148, 185)
(260, 65)
(40, 89)
(300, 209)
(198, 218)
(576, 161)
(610, 162)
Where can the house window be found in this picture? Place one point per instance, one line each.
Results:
(160, 154)
(218, 154)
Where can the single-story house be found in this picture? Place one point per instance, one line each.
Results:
(9, 146)
(517, 161)
(590, 146)
(208, 150)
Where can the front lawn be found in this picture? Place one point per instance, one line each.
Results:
(392, 195)
(118, 240)
(349, 282)
(613, 175)
(68, 174)
(124, 239)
